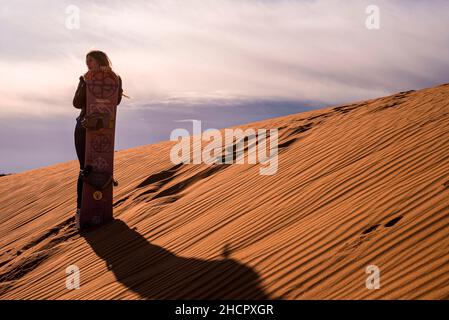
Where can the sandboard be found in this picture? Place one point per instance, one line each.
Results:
(101, 109)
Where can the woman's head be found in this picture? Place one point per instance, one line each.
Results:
(96, 59)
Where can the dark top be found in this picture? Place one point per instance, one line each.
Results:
(79, 100)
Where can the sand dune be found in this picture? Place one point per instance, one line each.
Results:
(357, 185)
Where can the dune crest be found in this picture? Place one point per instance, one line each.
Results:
(357, 185)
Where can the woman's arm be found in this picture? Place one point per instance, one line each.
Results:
(79, 100)
(120, 90)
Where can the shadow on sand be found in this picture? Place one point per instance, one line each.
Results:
(156, 273)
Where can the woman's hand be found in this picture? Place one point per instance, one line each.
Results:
(84, 123)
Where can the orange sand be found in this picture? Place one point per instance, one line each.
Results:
(357, 185)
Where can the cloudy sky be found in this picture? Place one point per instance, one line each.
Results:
(221, 61)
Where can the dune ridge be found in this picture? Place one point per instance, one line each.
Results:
(360, 184)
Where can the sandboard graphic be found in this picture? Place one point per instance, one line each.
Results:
(101, 109)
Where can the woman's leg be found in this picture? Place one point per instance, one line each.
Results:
(80, 146)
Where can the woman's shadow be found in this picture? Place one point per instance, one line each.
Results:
(156, 273)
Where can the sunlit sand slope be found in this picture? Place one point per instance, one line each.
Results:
(357, 185)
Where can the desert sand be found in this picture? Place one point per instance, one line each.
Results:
(357, 185)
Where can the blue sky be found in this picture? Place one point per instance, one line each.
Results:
(224, 62)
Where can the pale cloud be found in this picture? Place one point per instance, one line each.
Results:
(169, 52)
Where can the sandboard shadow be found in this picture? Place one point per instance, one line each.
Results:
(156, 273)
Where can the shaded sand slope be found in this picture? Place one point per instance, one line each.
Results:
(360, 184)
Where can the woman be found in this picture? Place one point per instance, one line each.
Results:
(95, 60)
